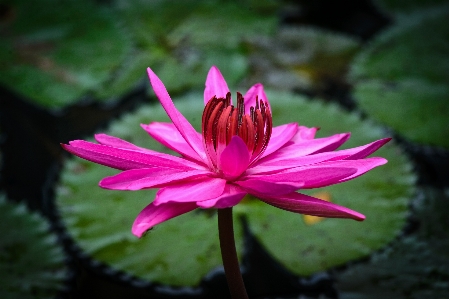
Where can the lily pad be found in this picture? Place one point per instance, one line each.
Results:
(300, 57)
(183, 250)
(181, 38)
(406, 6)
(54, 52)
(32, 262)
(402, 78)
(415, 266)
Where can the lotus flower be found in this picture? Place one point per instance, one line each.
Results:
(238, 152)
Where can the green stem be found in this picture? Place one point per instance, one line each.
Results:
(229, 254)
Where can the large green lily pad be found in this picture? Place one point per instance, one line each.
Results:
(181, 251)
(415, 266)
(301, 57)
(54, 52)
(179, 40)
(406, 6)
(402, 78)
(32, 262)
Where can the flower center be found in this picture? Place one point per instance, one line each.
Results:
(221, 121)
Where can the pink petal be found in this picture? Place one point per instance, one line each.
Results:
(234, 159)
(152, 215)
(304, 204)
(169, 136)
(277, 164)
(215, 85)
(364, 151)
(136, 179)
(124, 159)
(304, 133)
(306, 147)
(280, 135)
(296, 178)
(250, 97)
(119, 143)
(230, 197)
(184, 127)
(362, 165)
(191, 191)
(267, 188)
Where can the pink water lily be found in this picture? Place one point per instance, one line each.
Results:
(238, 152)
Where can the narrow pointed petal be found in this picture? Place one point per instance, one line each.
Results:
(307, 147)
(230, 197)
(250, 97)
(362, 166)
(294, 179)
(304, 133)
(153, 215)
(267, 188)
(119, 143)
(235, 158)
(191, 191)
(278, 164)
(136, 179)
(169, 136)
(308, 205)
(364, 151)
(215, 85)
(184, 127)
(280, 135)
(125, 159)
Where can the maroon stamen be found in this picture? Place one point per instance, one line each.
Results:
(221, 121)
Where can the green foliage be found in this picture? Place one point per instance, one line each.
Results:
(415, 266)
(182, 250)
(31, 260)
(402, 78)
(54, 52)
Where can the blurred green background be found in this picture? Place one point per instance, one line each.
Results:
(71, 68)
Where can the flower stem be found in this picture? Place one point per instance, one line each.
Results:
(229, 254)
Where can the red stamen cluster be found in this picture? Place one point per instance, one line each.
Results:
(221, 121)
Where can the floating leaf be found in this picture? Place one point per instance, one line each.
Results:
(402, 78)
(54, 52)
(181, 251)
(176, 38)
(300, 57)
(413, 267)
(406, 6)
(32, 262)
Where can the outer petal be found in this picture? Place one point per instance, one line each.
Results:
(136, 179)
(278, 164)
(191, 191)
(184, 127)
(152, 215)
(304, 133)
(294, 179)
(230, 197)
(307, 147)
(250, 97)
(215, 85)
(234, 159)
(280, 135)
(124, 159)
(169, 136)
(119, 143)
(304, 204)
(362, 166)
